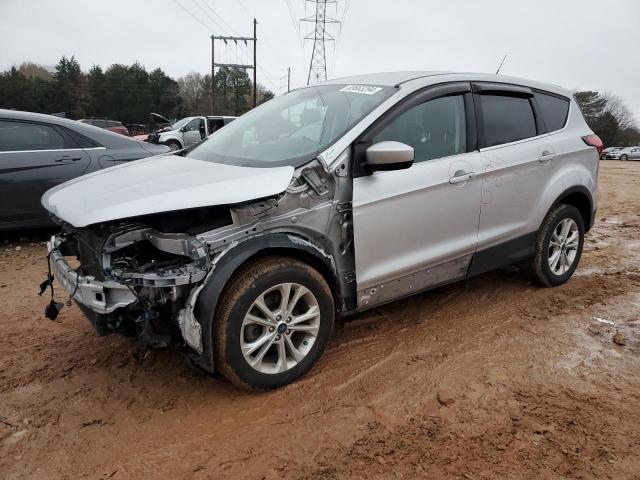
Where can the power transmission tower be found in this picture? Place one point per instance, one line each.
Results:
(227, 39)
(320, 35)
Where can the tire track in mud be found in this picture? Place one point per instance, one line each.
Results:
(481, 378)
(375, 390)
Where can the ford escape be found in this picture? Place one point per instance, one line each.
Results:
(323, 202)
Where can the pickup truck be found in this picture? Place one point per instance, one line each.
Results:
(185, 132)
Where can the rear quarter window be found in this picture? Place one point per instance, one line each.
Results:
(554, 110)
(24, 136)
(506, 119)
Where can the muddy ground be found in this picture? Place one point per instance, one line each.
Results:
(489, 378)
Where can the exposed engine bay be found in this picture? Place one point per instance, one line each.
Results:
(142, 276)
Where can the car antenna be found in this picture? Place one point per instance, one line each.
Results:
(501, 63)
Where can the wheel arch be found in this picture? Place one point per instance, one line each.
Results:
(579, 197)
(247, 252)
(168, 141)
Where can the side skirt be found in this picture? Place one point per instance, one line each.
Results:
(502, 255)
(483, 261)
(416, 282)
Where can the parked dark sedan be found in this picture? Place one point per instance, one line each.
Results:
(38, 152)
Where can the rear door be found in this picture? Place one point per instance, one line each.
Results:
(33, 158)
(418, 227)
(517, 160)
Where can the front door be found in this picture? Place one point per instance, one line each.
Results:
(194, 132)
(34, 157)
(417, 228)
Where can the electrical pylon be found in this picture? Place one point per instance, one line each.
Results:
(320, 35)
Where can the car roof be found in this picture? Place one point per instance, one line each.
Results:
(102, 136)
(397, 79)
(100, 119)
(388, 79)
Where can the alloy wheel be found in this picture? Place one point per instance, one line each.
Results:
(563, 246)
(280, 328)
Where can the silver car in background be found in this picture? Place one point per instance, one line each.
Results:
(186, 132)
(609, 152)
(624, 154)
(323, 202)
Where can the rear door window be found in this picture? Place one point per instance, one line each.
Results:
(506, 119)
(23, 136)
(554, 110)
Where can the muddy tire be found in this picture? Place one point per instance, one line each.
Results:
(273, 322)
(558, 246)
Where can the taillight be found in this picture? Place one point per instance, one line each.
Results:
(594, 141)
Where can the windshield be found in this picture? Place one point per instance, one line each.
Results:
(181, 123)
(293, 128)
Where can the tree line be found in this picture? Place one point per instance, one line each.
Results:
(609, 118)
(127, 93)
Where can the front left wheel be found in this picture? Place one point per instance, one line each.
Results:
(273, 323)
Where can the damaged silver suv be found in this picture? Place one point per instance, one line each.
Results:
(323, 202)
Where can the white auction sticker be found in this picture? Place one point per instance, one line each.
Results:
(366, 89)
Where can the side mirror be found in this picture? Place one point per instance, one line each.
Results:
(389, 156)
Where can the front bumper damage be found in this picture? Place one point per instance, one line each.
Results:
(100, 297)
(160, 276)
(144, 278)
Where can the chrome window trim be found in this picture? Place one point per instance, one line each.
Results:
(52, 150)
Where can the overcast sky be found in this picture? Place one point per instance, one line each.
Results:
(579, 44)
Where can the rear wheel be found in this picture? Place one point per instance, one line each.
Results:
(624, 158)
(558, 246)
(273, 323)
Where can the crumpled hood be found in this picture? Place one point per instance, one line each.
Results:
(160, 184)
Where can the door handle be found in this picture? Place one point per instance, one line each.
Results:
(461, 177)
(68, 157)
(546, 156)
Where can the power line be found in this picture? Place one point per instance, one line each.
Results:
(215, 23)
(344, 13)
(193, 16)
(241, 3)
(253, 65)
(293, 23)
(233, 32)
(264, 72)
(342, 20)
